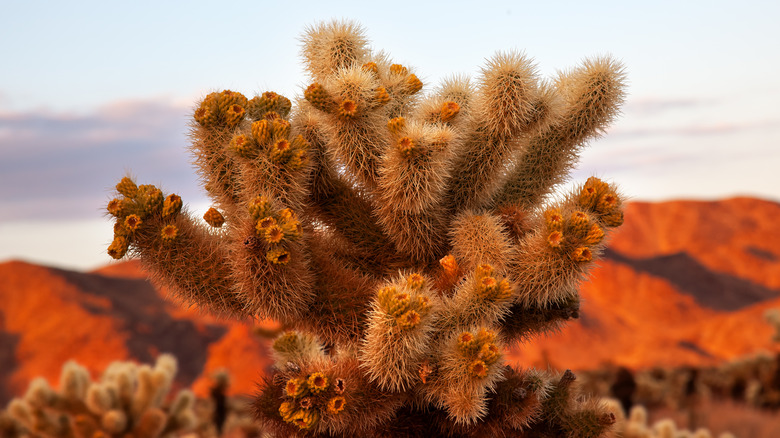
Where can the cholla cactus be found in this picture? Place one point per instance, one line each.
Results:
(404, 240)
(773, 318)
(128, 401)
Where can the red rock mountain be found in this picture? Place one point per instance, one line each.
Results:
(683, 282)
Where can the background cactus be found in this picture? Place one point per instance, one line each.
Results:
(403, 239)
(129, 400)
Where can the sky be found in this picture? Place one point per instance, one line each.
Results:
(92, 91)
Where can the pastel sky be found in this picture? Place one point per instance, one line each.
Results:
(92, 90)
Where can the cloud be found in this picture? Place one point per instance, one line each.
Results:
(57, 165)
(693, 130)
(653, 106)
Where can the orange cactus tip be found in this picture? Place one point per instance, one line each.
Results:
(274, 234)
(286, 409)
(281, 145)
(398, 69)
(555, 239)
(278, 256)
(371, 67)
(169, 233)
(295, 387)
(553, 219)
(242, 145)
(409, 319)
(596, 183)
(613, 219)
(582, 254)
(449, 264)
(127, 188)
(484, 270)
(214, 218)
(489, 353)
(415, 281)
(336, 404)
(465, 341)
(234, 115)
(401, 297)
(489, 283)
(270, 95)
(484, 335)
(406, 146)
(381, 96)
(172, 205)
(261, 131)
(317, 382)
(396, 125)
(132, 222)
(114, 207)
(348, 108)
(594, 236)
(118, 247)
(478, 369)
(413, 84)
(423, 302)
(339, 385)
(449, 110)
(607, 202)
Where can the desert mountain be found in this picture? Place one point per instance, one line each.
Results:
(683, 282)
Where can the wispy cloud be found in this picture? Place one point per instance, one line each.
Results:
(55, 165)
(653, 106)
(693, 130)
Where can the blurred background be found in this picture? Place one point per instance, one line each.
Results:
(91, 91)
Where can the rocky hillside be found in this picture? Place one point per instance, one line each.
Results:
(683, 283)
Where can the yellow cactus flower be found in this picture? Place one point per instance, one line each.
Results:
(409, 319)
(295, 387)
(274, 234)
(278, 256)
(259, 207)
(169, 233)
(348, 108)
(555, 239)
(415, 281)
(317, 382)
(336, 404)
(478, 369)
(406, 146)
(318, 97)
(582, 254)
(114, 207)
(132, 222)
(234, 114)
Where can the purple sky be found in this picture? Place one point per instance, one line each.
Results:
(90, 91)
